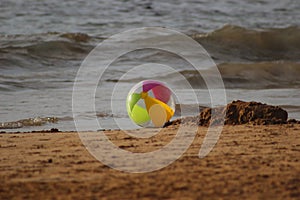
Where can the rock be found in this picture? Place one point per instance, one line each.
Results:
(238, 112)
(185, 120)
(54, 130)
(293, 121)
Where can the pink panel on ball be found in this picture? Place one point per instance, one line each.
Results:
(149, 84)
(162, 93)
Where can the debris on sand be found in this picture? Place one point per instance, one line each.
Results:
(239, 112)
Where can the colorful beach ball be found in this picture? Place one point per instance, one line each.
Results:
(150, 103)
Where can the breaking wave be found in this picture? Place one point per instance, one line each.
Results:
(235, 43)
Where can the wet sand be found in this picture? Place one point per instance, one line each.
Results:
(248, 162)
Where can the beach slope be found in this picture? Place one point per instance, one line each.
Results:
(248, 162)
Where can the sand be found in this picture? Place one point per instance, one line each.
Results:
(248, 162)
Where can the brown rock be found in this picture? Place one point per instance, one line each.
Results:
(238, 112)
(293, 121)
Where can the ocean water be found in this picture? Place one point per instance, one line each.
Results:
(255, 44)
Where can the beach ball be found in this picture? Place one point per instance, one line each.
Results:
(150, 103)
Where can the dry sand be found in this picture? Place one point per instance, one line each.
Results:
(248, 162)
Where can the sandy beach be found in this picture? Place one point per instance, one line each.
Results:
(108, 66)
(248, 162)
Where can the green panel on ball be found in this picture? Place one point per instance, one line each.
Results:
(139, 115)
(132, 100)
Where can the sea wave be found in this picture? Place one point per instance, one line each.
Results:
(246, 58)
(261, 75)
(278, 74)
(227, 44)
(37, 121)
(41, 61)
(236, 43)
(258, 75)
(49, 45)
